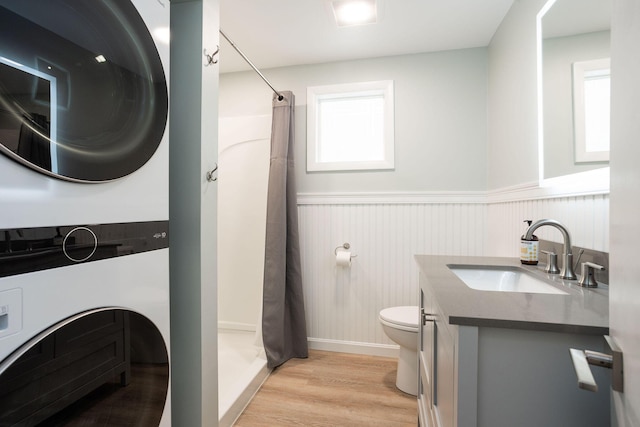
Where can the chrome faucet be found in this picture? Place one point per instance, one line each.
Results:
(567, 271)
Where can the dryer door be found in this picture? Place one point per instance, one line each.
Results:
(105, 367)
(83, 94)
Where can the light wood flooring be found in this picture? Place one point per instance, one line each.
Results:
(332, 389)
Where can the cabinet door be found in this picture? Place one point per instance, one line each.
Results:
(444, 368)
(436, 363)
(426, 355)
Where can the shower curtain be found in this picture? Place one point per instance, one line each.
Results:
(284, 330)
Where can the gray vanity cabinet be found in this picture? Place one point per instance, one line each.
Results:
(476, 371)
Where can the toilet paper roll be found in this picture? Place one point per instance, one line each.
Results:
(343, 258)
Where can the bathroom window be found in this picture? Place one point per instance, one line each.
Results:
(591, 104)
(350, 127)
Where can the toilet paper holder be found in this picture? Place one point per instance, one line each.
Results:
(346, 247)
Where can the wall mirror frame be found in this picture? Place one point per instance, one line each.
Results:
(579, 180)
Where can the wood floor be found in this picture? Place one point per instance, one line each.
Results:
(332, 389)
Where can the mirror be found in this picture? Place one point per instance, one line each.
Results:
(573, 35)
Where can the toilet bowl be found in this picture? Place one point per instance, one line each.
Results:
(400, 324)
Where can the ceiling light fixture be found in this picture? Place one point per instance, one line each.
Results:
(354, 12)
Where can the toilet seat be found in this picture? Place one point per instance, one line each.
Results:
(405, 318)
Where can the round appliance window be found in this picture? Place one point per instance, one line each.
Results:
(83, 94)
(105, 367)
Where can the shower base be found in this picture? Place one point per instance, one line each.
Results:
(242, 368)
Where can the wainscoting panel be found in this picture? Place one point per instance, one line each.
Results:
(586, 217)
(343, 303)
(386, 231)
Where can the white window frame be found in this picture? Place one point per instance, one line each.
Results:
(317, 94)
(580, 71)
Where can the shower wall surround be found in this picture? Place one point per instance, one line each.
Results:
(386, 230)
(243, 174)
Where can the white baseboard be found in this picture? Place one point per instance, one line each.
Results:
(235, 326)
(383, 350)
(354, 347)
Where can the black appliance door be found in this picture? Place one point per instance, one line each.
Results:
(83, 94)
(104, 367)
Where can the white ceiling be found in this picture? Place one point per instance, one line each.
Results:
(277, 33)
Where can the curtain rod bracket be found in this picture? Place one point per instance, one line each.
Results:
(280, 97)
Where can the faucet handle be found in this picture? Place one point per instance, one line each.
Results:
(552, 262)
(588, 279)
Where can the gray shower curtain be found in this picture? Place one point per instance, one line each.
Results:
(284, 330)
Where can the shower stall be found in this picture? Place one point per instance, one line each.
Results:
(244, 149)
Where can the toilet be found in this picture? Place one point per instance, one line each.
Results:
(400, 324)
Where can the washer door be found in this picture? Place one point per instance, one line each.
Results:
(105, 367)
(83, 94)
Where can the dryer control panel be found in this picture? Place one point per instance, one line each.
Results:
(23, 250)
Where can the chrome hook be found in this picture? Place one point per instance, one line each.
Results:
(210, 173)
(210, 58)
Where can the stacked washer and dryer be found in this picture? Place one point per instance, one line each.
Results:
(84, 188)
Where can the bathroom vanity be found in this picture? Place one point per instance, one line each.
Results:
(501, 358)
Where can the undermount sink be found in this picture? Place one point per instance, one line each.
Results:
(502, 279)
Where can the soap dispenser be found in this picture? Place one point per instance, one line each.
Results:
(529, 248)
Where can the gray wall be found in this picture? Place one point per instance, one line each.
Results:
(440, 118)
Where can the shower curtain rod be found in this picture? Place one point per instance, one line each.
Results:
(280, 97)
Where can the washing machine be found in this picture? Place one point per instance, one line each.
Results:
(84, 238)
